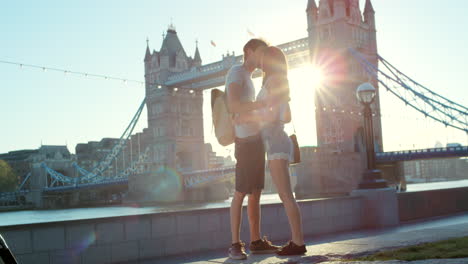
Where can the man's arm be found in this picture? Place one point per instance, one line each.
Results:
(234, 103)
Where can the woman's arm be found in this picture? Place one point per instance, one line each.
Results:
(285, 113)
(265, 116)
(235, 105)
(251, 117)
(278, 88)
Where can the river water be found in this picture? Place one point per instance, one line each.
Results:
(46, 216)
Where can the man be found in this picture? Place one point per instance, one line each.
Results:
(249, 153)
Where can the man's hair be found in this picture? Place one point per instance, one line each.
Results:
(253, 44)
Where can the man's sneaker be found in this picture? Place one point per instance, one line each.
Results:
(263, 246)
(292, 249)
(237, 251)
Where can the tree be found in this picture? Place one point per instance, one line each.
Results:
(8, 178)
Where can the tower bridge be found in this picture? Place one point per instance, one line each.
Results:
(169, 153)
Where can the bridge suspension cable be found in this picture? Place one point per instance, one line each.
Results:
(417, 96)
(97, 172)
(57, 176)
(26, 178)
(135, 167)
(107, 160)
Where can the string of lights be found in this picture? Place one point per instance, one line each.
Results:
(66, 71)
(89, 75)
(159, 86)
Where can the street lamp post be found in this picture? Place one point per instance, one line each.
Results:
(372, 178)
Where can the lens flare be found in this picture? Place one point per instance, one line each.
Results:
(87, 241)
(168, 184)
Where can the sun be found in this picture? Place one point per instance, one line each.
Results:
(310, 76)
(316, 75)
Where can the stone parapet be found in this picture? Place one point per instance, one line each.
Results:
(142, 237)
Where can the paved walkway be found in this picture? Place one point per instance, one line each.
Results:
(333, 248)
(430, 261)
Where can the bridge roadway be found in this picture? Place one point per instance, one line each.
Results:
(50, 216)
(383, 157)
(415, 154)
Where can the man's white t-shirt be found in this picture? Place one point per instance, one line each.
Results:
(240, 75)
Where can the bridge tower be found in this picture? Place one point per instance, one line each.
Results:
(336, 166)
(59, 159)
(175, 117)
(333, 27)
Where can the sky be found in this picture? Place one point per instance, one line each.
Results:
(424, 38)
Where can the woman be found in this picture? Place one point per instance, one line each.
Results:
(277, 143)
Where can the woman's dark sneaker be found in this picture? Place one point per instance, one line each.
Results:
(237, 251)
(263, 246)
(292, 249)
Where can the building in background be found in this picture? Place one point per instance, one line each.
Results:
(23, 161)
(214, 161)
(436, 170)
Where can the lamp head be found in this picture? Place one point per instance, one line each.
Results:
(365, 93)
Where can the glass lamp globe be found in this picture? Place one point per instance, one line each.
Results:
(365, 93)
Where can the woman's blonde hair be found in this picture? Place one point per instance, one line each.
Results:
(275, 64)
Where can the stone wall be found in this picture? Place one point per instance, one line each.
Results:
(424, 204)
(324, 174)
(131, 238)
(152, 236)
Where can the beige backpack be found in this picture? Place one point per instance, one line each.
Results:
(222, 119)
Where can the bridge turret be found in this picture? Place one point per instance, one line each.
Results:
(312, 9)
(325, 10)
(147, 59)
(181, 63)
(197, 61)
(369, 14)
(148, 52)
(164, 60)
(354, 12)
(173, 55)
(339, 9)
(369, 19)
(312, 19)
